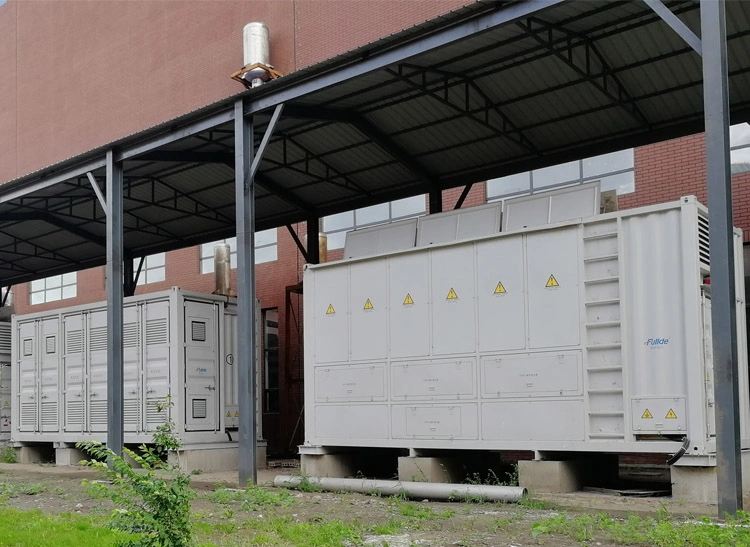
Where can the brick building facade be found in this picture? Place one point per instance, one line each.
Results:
(80, 74)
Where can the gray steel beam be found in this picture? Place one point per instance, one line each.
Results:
(375, 61)
(463, 196)
(266, 139)
(10, 191)
(298, 242)
(436, 201)
(246, 325)
(97, 190)
(313, 246)
(676, 24)
(173, 134)
(114, 274)
(721, 240)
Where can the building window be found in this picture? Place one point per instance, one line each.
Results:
(336, 226)
(739, 140)
(271, 397)
(154, 269)
(266, 250)
(616, 171)
(50, 289)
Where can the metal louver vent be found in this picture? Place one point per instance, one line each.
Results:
(98, 338)
(5, 336)
(49, 413)
(156, 331)
(198, 331)
(28, 347)
(200, 408)
(98, 412)
(50, 344)
(74, 341)
(130, 335)
(704, 251)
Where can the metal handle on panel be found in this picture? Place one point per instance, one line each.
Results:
(210, 388)
(149, 391)
(78, 394)
(132, 393)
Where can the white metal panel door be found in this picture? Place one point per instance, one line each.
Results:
(27, 376)
(369, 310)
(131, 342)
(409, 305)
(201, 366)
(49, 382)
(453, 300)
(156, 357)
(554, 301)
(501, 294)
(332, 315)
(5, 398)
(74, 364)
(96, 392)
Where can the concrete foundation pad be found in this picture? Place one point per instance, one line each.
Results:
(328, 465)
(427, 469)
(214, 457)
(32, 454)
(554, 477)
(69, 456)
(698, 484)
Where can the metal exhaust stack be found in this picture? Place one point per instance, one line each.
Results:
(258, 68)
(222, 270)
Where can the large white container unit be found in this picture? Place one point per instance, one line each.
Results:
(5, 381)
(584, 335)
(176, 344)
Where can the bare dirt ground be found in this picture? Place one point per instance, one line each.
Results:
(61, 489)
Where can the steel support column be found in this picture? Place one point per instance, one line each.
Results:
(244, 151)
(114, 273)
(436, 201)
(313, 242)
(721, 239)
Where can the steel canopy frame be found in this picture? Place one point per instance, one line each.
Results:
(236, 117)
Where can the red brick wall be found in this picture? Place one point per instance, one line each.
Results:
(667, 170)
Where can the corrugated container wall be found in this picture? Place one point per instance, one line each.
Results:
(584, 335)
(177, 344)
(5, 381)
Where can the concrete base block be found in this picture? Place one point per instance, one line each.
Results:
(31, 454)
(427, 469)
(69, 456)
(698, 484)
(328, 465)
(214, 457)
(554, 477)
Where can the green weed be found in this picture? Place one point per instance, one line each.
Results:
(420, 511)
(252, 499)
(8, 455)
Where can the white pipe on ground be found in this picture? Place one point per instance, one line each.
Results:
(417, 490)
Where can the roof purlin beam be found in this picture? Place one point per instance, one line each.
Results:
(59, 223)
(676, 24)
(544, 33)
(481, 116)
(368, 129)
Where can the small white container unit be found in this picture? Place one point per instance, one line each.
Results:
(176, 343)
(563, 334)
(5, 381)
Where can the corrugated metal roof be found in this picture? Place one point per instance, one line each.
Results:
(501, 88)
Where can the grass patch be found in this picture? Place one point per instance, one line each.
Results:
(656, 532)
(284, 532)
(39, 530)
(251, 499)
(420, 511)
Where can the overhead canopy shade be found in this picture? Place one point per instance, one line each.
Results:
(486, 91)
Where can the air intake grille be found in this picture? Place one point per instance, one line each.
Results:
(199, 409)
(98, 340)
(73, 341)
(156, 331)
(50, 344)
(98, 412)
(28, 347)
(704, 251)
(49, 413)
(130, 335)
(199, 331)
(4, 337)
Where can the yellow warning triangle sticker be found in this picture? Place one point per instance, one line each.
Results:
(368, 305)
(552, 282)
(236, 414)
(499, 289)
(451, 295)
(647, 415)
(229, 414)
(408, 300)
(330, 310)
(671, 415)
